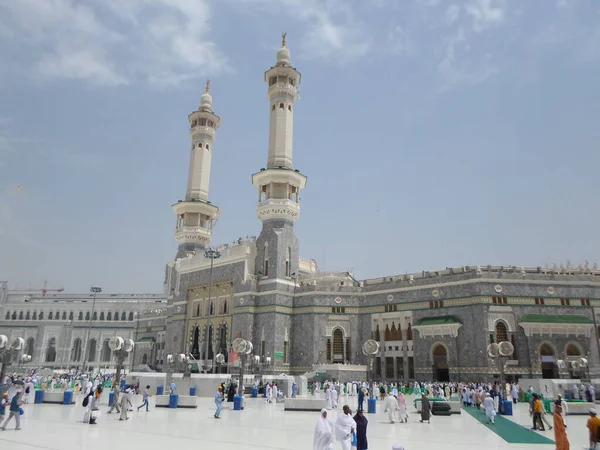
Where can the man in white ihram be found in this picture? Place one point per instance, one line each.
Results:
(344, 427)
(489, 408)
(391, 406)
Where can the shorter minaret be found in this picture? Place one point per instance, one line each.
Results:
(196, 214)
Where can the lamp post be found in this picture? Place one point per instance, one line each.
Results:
(211, 254)
(94, 290)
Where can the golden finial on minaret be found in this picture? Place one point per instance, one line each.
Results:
(283, 39)
(207, 86)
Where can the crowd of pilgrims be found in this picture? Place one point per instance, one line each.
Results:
(350, 430)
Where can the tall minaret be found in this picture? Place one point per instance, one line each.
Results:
(279, 184)
(196, 214)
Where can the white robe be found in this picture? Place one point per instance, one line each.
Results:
(354, 389)
(323, 439)
(348, 388)
(334, 398)
(489, 407)
(343, 430)
(269, 392)
(402, 410)
(391, 406)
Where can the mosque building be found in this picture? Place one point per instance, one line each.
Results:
(431, 325)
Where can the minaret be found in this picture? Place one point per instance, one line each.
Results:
(279, 184)
(196, 214)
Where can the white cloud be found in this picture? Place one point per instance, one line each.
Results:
(486, 13)
(331, 33)
(452, 14)
(400, 41)
(111, 43)
(454, 71)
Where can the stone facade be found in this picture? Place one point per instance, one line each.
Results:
(56, 327)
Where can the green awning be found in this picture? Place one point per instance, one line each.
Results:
(440, 320)
(546, 318)
(144, 339)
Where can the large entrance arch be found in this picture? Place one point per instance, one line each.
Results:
(440, 363)
(548, 357)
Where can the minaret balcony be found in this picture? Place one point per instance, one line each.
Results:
(198, 206)
(197, 235)
(275, 208)
(279, 175)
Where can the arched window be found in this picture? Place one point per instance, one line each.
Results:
(123, 316)
(41, 316)
(80, 316)
(144, 358)
(207, 147)
(27, 316)
(50, 316)
(91, 350)
(501, 332)
(95, 315)
(409, 333)
(87, 315)
(388, 333)
(20, 315)
(29, 347)
(105, 351)
(196, 343)
(64, 315)
(116, 316)
(102, 315)
(34, 317)
(288, 258)
(281, 106)
(51, 350)
(266, 259)
(273, 107)
(222, 336)
(76, 350)
(338, 346)
(71, 315)
(131, 316)
(377, 336)
(289, 107)
(546, 350)
(7, 315)
(225, 306)
(573, 350)
(14, 315)
(57, 315)
(109, 316)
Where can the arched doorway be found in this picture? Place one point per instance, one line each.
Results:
(338, 346)
(549, 367)
(441, 371)
(51, 350)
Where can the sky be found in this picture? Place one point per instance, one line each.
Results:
(433, 133)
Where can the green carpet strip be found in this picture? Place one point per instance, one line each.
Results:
(510, 431)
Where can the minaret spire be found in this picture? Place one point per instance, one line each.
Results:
(279, 184)
(196, 214)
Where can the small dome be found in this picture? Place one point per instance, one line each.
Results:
(283, 57)
(206, 102)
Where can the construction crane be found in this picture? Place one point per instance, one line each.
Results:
(43, 290)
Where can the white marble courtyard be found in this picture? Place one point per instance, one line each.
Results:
(258, 426)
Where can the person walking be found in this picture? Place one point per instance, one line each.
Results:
(14, 411)
(218, 402)
(115, 403)
(323, 438)
(145, 398)
(560, 432)
(361, 430)
(345, 427)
